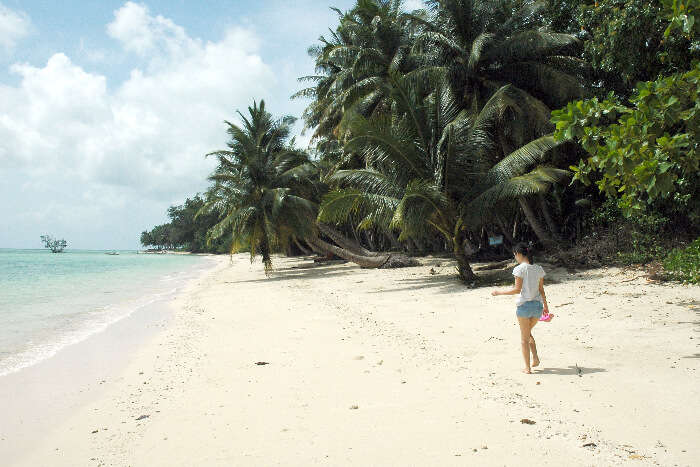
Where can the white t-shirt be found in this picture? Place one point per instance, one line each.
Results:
(531, 275)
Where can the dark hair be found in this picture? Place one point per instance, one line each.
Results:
(525, 250)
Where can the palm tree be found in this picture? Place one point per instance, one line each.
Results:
(520, 176)
(476, 48)
(266, 191)
(480, 46)
(262, 186)
(432, 167)
(372, 41)
(421, 162)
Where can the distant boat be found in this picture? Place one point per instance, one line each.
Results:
(111, 253)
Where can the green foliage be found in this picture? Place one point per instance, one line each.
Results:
(683, 264)
(430, 124)
(644, 152)
(563, 15)
(682, 15)
(626, 42)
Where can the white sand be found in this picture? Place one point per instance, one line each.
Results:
(432, 368)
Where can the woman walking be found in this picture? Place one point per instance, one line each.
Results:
(531, 301)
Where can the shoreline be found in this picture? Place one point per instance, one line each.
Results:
(36, 398)
(78, 302)
(398, 367)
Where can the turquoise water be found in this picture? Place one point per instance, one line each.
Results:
(48, 301)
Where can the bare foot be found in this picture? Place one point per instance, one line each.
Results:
(527, 371)
(535, 361)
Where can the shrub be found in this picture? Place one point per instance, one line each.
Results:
(683, 264)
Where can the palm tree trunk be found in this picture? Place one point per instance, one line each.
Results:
(395, 244)
(344, 242)
(265, 252)
(356, 236)
(362, 261)
(504, 229)
(540, 232)
(301, 248)
(316, 249)
(418, 243)
(368, 237)
(548, 217)
(463, 267)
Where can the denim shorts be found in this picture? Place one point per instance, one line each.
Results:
(531, 309)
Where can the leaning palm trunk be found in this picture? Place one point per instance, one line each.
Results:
(316, 249)
(301, 247)
(381, 260)
(370, 262)
(345, 242)
(540, 232)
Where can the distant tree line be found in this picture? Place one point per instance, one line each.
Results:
(186, 230)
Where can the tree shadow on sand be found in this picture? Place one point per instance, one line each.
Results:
(284, 274)
(446, 283)
(571, 370)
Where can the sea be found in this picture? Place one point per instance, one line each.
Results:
(51, 300)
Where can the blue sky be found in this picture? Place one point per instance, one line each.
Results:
(78, 28)
(108, 107)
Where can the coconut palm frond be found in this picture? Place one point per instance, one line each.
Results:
(421, 211)
(518, 161)
(557, 85)
(530, 44)
(476, 49)
(367, 180)
(537, 181)
(341, 205)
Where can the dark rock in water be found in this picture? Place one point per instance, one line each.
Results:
(142, 417)
(589, 445)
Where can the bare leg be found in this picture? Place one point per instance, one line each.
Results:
(533, 346)
(525, 342)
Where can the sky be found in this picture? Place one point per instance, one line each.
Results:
(107, 108)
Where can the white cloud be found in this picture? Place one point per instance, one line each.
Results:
(144, 34)
(142, 141)
(14, 26)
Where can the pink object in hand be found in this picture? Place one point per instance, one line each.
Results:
(547, 318)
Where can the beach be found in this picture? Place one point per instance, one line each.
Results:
(337, 365)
